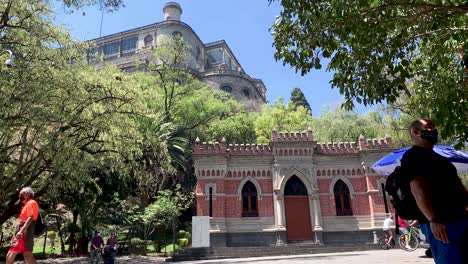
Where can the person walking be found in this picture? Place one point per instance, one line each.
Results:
(112, 244)
(438, 193)
(23, 239)
(96, 247)
(387, 229)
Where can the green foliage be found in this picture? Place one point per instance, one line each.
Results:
(108, 5)
(51, 235)
(59, 116)
(170, 248)
(183, 242)
(298, 99)
(238, 128)
(337, 125)
(283, 117)
(381, 50)
(168, 206)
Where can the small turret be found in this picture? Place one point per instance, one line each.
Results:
(172, 11)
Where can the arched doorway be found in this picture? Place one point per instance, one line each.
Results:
(296, 204)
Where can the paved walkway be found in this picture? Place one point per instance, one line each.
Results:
(373, 257)
(120, 260)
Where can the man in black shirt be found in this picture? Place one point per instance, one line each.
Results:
(439, 194)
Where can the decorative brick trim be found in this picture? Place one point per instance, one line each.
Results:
(207, 190)
(257, 186)
(346, 181)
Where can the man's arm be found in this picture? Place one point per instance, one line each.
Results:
(418, 188)
(24, 227)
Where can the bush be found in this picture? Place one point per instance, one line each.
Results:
(136, 241)
(51, 235)
(183, 242)
(185, 234)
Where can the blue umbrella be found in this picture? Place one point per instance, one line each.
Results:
(387, 164)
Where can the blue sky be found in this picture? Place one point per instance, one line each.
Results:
(244, 24)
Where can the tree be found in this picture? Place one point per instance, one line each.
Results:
(283, 117)
(238, 128)
(298, 99)
(58, 116)
(107, 5)
(379, 50)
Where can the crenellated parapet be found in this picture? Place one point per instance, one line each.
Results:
(341, 147)
(351, 147)
(292, 136)
(233, 149)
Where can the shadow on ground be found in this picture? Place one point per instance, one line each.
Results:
(120, 260)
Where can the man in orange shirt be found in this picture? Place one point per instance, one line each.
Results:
(24, 236)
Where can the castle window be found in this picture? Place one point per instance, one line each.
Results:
(249, 200)
(148, 40)
(215, 56)
(246, 93)
(176, 34)
(111, 49)
(342, 199)
(226, 88)
(129, 45)
(210, 201)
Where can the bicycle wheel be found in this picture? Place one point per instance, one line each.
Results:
(412, 244)
(383, 243)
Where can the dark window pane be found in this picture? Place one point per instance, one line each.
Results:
(295, 186)
(226, 88)
(111, 49)
(346, 202)
(338, 204)
(254, 203)
(245, 203)
(129, 45)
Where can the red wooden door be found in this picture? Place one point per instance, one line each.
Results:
(298, 224)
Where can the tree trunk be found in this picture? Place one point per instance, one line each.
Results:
(57, 220)
(45, 243)
(72, 240)
(12, 209)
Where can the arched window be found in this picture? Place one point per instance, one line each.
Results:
(295, 186)
(226, 88)
(249, 200)
(342, 199)
(246, 93)
(148, 40)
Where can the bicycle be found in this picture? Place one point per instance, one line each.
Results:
(412, 238)
(383, 242)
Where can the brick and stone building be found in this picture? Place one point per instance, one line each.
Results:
(292, 189)
(213, 63)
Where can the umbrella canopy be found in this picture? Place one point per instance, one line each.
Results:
(387, 164)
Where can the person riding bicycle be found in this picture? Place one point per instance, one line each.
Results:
(388, 231)
(403, 227)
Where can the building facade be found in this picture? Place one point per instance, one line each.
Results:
(293, 189)
(213, 63)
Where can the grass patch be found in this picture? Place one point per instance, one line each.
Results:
(169, 248)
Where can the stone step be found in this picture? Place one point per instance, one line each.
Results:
(245, 252)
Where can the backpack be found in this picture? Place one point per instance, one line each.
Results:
(402, 198)
(40, 228)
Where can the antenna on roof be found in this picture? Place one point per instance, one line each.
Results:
(102, 18)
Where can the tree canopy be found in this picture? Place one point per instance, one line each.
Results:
(283, 117)
(298, 99)
(379, 50)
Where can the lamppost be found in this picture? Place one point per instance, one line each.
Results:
(10, 62)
